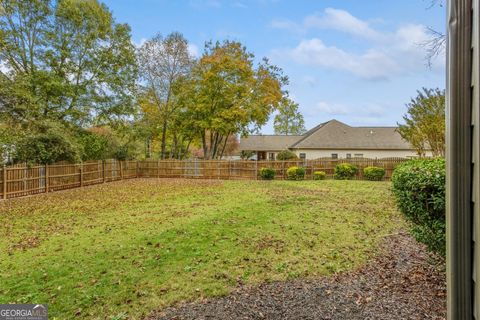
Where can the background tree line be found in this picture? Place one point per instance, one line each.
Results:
(73, 86)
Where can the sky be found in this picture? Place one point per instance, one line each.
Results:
(356, 61)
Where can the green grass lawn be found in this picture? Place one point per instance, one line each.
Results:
(121, 249)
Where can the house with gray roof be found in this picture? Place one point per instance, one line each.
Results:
(332, 139)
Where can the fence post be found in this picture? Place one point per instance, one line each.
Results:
(81, 174)
(121, 169)
(25, 170)
(47, 179)
(256, 170)
(136, 168)
(103, 170)
(4, 182)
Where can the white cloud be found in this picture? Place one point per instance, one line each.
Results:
(389, 54)
(193, 50)
(341, 20)
(330, 18)
(408, 43)
(329, 109)
(362, 113)
(373, 64)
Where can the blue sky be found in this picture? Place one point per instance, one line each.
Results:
(355, 61)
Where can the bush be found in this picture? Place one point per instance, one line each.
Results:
(286, 155)
(345, 171)
(319, 175)
(105, 143)
(419, 187)
(95, 146)
(267, 173)
(374, 173)
(51, 145)
(296, 173)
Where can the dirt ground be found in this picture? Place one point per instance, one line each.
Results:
(403, 282)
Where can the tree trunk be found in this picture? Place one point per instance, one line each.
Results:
(213, 146)
(217, 140)
(174, 147)
(147, 148)
(224, 146)
(164, 140)
(185, 151)
(204, 145)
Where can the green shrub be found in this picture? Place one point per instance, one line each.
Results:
(296, 173)
(267, 173)
(373, 173)
(345, 171)
(103, 142)
(419, 187)
(286, 155)
(319, 175)
(95, 147)
(51, 144)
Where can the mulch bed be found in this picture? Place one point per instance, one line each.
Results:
(400, 283)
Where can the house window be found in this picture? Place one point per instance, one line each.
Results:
(271, 156)
(334, 155)
(303, 156)
(349, 156)
(358, 155)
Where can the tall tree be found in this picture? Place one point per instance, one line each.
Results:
(230, 95)
(162, 62)
(64, 60)
(180, 133)
(64, 65)
(424, 124)
(288, 120)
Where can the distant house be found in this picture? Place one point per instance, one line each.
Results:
(332, 139)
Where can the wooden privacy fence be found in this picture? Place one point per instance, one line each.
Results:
(22, 180)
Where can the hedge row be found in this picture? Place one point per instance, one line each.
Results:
(419, 187)
(343, 171)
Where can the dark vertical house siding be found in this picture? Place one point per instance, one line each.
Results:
(476, 155)
(461, 130)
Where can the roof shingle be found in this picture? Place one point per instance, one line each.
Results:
(330, 135)
(267, 142)
(337, 135)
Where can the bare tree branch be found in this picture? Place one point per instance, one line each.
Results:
(433, 3)
(435, 46)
